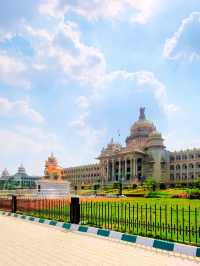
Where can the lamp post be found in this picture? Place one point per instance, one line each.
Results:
(120, 184)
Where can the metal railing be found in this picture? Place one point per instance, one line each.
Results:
(163, 222)
(54, 209)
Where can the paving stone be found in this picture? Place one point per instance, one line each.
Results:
(24, 243)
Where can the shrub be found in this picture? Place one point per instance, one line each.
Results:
(153, 194)
(194, 193)
(151, 184)
(115, 185)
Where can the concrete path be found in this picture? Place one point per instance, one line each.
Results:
(25, 244)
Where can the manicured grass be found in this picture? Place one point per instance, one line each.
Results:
(171, 219)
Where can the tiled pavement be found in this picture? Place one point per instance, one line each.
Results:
(24, 243)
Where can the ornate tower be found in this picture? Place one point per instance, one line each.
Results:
(52, 169)
(156, 151)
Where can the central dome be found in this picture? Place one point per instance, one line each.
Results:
(141, 129)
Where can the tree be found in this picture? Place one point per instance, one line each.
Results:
(151, 183)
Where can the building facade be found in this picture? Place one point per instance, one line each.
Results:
(185, 165)
(144, 155)
(83, 175)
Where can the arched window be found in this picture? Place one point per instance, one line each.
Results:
(191, 166)
(184, 166)
(178, 167)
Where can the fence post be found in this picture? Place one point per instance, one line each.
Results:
(74, 210)
(14, 203)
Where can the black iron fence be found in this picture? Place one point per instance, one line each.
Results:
(174, 223)
(55, 209)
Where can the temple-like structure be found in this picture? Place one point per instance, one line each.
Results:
(20, 179)
(52, 169)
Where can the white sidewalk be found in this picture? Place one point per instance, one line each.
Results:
(24, 243)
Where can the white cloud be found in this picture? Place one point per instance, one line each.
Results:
(139, 11)
(53, 8)
(12, 71)
(38, 33)
(82, 102)
(27, 145)
(175, 141)
(85, 64)
(19, 108)
(177, 47)
(39, 67)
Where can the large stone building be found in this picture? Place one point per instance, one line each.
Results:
(144, 155)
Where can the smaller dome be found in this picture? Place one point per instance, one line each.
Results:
(155, 134)
(5, 173)
(111, 147)
(21, 169)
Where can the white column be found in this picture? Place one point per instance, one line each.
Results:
(119, 173)
(125, 170)
(135, 162)
(131, 168)
(133, 165)
(107, 171)
(113, 170)
(181, 172)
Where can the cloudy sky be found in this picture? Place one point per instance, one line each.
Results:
(74, 72)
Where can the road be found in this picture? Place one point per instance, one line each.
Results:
(25, 243)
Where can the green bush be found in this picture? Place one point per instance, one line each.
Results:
(115, 185)
(194, 193)
(154, 194)
(151, 184)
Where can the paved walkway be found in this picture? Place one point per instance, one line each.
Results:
(25, 244)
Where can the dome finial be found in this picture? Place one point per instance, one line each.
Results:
(142, 113)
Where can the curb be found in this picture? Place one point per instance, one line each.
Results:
(134, 239)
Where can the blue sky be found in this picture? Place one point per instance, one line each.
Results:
(73, 73)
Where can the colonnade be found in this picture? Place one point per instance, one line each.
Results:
(120, 168)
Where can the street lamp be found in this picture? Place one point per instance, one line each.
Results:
(120, 185)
